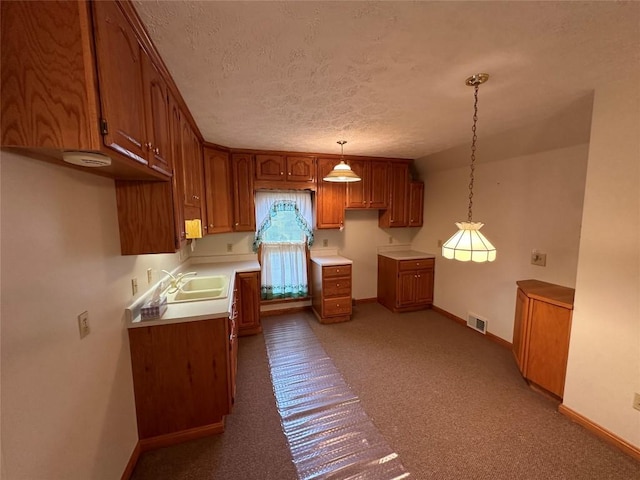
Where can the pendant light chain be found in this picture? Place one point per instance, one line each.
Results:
(473, 149)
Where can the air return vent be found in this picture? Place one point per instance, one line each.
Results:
(477, 323)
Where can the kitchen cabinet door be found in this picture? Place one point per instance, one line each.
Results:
(397, 212)
(416, 204)
(120, 62)
(378, 196)
(330, 198)
(177, 181)
(270, 167)
(405, 285)
(157, 118)
(217, 174)
(249, 303)
(244, 215)
(192, 173)
(300, 169)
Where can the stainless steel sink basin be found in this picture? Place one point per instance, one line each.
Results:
(200, 288)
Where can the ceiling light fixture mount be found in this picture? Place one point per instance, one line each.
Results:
(468, 244)
(342, 172)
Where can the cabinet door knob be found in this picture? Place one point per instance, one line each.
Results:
(211, 225)
(196, 197)
(157, 151)
(337, 284)
(148, 145)
(237, 224)
(281, 173)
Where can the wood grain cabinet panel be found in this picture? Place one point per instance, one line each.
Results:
(271, 167)
(541, 333)
(396, 215)
(416, 204)
(218, 188)
(372, 190)
(183, 377)
(249, 303)
(301, 169)
(331, 292)
(192, 174)
(330, 198)
(405, 285)
(243, 193)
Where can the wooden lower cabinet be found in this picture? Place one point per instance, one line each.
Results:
(183, 378)
(249, 303)
(331, 297)
(541, 332)
(405, 285)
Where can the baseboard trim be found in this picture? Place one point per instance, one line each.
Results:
(490, 336)
(169, 439)
(358, 301)
(600, 432)
(281, 311)
(131, 464)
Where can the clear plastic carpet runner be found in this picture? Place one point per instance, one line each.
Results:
(329, 434)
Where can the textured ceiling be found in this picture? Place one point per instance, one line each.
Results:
(388, 77)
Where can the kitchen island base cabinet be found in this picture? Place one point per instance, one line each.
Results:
(541, 333)
(405, 285)
(183, 378)
(331, 297)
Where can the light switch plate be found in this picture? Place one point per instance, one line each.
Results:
(538, 258)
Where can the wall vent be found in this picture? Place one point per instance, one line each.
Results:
(477, 323)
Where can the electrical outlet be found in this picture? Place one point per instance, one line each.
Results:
(325, 242)
(439, 243)
(134, 286)
(229, 247)
(538, 258)
(636, 401)
(149, 275)
(83, 324)
(390, 239)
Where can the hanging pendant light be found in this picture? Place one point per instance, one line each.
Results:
(342, 172)
(468, 244)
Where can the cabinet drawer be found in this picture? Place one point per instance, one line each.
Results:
(336, 271)
(337, 287)
(404, 265)
(336, 306)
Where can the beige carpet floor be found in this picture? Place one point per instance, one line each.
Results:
(450, 402)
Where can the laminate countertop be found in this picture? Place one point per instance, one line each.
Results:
(406, 255)
(195, 310)
(329, 260)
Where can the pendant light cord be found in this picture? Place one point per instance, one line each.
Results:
(473, 149)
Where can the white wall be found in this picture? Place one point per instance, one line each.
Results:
(603, 371)
(67, 404)
(359, 241)
(527, 202)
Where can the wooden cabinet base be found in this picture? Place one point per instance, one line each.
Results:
(174, 438)
(344, 318)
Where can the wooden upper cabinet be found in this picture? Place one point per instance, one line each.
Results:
(120, 67)
(270, 167)
(372, 190)
(300, 169)
(177, 181)
(244, 217)
(157, 119)
(396, 215)
(192, 170)
(416, 203)
(274, 169)
(217, 183)
(330, 198)
(48, 76)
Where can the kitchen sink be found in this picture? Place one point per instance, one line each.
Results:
(200, 288)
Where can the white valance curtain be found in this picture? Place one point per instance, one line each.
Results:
(284, 263)
(268, 204)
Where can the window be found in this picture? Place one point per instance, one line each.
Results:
(283, 233)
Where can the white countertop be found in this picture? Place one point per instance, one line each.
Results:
(199, 310)
(329, 260)
(406, 255)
